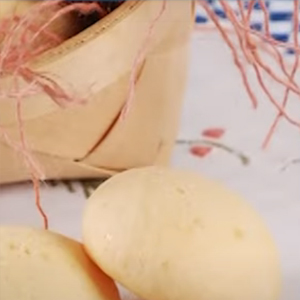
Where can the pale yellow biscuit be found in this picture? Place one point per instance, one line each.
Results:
(174, 235)
(42, 265)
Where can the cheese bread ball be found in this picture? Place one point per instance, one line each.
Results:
(42, 265)
(171, 235)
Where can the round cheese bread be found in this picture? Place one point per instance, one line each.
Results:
(172, 235)
(42, 265)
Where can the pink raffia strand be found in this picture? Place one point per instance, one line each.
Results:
(138, 60)
(275, 49)
(270, 49)
(34, 170)
(263, 44)
(18, 46)
(35, 173)
(256, 62)
(250, 9)
(23, 149)
(293, 73)
(278, 55)
(233, 49)
(28, 159)
(249, 47)
(51, 88)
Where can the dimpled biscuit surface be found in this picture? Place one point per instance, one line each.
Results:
(169, 234)
(41, 265)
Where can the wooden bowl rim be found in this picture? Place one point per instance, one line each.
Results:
(88, 34)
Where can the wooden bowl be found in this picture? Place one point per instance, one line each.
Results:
(91, 140)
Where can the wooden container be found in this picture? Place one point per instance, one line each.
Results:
(90, 140)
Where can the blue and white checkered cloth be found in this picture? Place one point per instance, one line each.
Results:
(280, 21)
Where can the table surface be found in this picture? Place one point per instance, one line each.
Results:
(214, 97)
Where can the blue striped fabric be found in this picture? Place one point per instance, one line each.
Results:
(280, 17)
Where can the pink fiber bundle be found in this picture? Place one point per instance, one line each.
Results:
(23, 38)
(250, 42)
